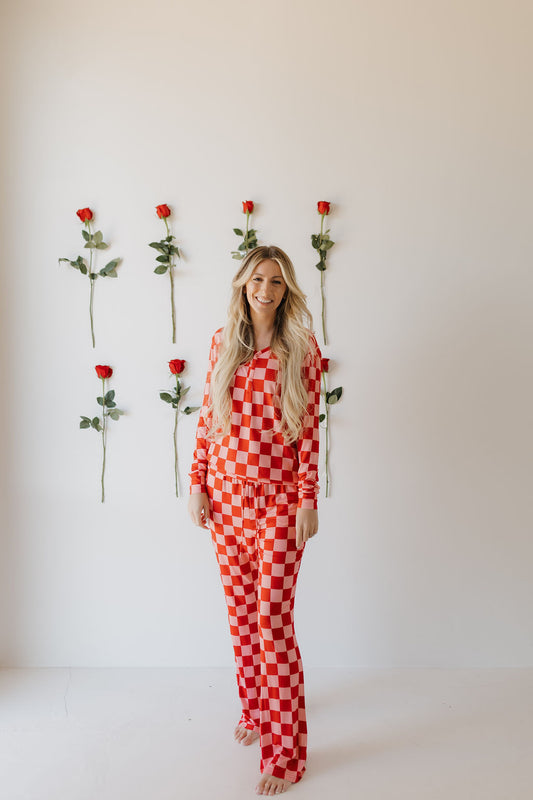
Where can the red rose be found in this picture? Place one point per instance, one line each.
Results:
(247, 206)
(162, 211)
(85, 214)
(324, 364)
(177, 365)
(323, 207)
(103, 371)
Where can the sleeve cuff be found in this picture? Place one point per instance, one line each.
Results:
(307, 502)
(197, 488)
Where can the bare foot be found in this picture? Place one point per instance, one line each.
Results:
(245, 736)
(270, 785)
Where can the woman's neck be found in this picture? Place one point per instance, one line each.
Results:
(263, 331)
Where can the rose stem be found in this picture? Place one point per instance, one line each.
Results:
(176, 436)
(322, 283)
(327, 432)
(170, 272)
(92, 284)
(246, 237)
(103, 434)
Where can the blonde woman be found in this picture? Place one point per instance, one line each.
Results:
(254, 483)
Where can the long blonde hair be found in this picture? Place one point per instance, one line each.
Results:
(290, 342)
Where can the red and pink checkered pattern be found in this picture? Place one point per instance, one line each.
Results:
(255, 449)
(253, 531)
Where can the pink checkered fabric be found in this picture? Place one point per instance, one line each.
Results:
(255, 450)
(254, 535)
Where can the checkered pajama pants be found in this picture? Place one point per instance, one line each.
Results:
(254, 534)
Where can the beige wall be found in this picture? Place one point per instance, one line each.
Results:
(414, 119)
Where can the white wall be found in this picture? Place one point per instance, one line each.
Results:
(414, 119)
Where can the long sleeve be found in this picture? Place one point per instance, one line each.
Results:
(199, 463)
(308, 442)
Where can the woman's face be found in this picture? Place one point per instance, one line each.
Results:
(265, 289)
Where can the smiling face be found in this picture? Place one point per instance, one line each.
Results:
(265, 290)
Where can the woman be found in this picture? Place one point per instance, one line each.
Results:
(254, 482)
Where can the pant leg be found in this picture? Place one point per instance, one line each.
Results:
(254, 534)
(233, 531)
(283, 727)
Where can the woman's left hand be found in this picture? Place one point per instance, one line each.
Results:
(306, 524)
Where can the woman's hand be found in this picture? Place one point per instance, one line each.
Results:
(306, 524)
(199, 509)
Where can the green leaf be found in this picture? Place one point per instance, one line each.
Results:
(334, 396)
(321, 266)
(160, 270)
(100, 401)
(163, 259)
(95, 422)
(238, 231)
(114, 415)
(110, 395)
(85, 423)
(236, 255)
(98, 238)
(322, 417)
(87, 236)
(161, 246)
(184, 391)
(112, 274)
(83, 269)
(191, 409)
(315, 240)
(169, 238)
(101, 246)
(166, 397)
(93, 275)
(111, 404)
(175, 251)
(111, 265)
(242, 246)
(90, 245)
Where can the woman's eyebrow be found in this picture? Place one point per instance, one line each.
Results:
(273, 278)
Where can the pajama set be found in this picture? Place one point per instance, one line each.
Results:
(255, 481)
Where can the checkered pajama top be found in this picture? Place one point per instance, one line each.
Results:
(255, 450)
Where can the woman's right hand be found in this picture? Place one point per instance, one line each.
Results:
(199, 509)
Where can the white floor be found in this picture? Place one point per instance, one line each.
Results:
(166, 734)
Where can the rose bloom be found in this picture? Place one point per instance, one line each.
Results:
(324, 364)
(247, 206)
(177, 365)
(103, 371)
(85, 214)
(323, 207)
(162, 211)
